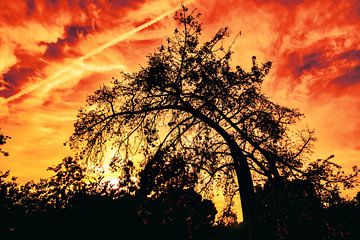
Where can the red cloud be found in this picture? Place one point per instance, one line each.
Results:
(349, 77)
(56, 50)
(14, 77)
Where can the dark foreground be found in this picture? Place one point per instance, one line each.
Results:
(178, 214)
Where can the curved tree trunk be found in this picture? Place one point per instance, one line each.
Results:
(246, 189)
(243, 174)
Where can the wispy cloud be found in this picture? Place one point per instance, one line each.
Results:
(56, 78)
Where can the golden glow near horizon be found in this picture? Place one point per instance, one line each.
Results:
(53, 54)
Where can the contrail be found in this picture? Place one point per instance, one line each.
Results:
(94, 52)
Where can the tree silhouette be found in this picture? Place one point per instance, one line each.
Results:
(296, 210)
(3, 139)
(197, 120)
(8, 193)
(182, 214)
(286, 210)
(65, 207)
(67, 181)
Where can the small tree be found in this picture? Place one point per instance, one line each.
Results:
(197, 120)
(68, 180)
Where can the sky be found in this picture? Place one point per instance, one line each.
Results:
(56, 52)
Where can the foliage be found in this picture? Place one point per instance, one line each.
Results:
(67, 206)
(327, 178)
(3, 140)
(296, 210)
(8, 189)
(287, 210)
(181, 211)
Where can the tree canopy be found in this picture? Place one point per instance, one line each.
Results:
(199, 122)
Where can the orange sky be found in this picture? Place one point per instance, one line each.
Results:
(55, 52)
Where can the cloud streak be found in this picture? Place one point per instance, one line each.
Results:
(56, 77)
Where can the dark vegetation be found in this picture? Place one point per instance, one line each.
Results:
(203, 128)
(75, 209)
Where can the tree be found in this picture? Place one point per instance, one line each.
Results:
(297, 210)
(65, 205)
(178, 214)
(3, 139)
(291, 210)
(197, 120)
(7, 195)
(68, 180)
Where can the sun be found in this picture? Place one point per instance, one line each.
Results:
(112, 181)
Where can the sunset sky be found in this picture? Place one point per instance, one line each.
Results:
(56, 52)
